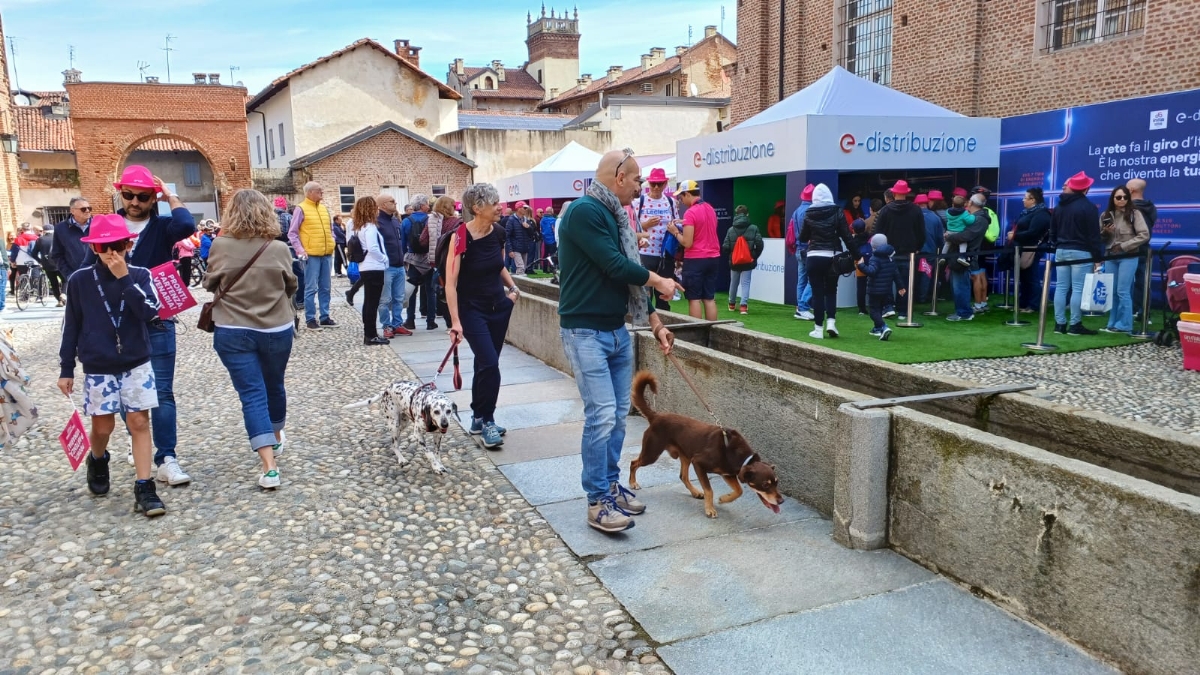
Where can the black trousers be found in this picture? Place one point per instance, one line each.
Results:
(824, 287)
(57, 282)
(185, 270)
(663, 268)
(861, 293)
(484, 324)
(373, 284)
(339, 260)
(876, 305)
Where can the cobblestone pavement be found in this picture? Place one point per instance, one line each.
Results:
(1140, 382)
(354, 565)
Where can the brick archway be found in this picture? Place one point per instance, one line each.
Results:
(110, 121)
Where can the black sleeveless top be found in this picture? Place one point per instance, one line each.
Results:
(479, 268)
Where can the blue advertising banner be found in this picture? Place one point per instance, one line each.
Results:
(1155, 138)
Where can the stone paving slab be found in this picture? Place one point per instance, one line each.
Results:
(930, 628)
(516, 394)
(517, 375)
(698, 587)
(672, 516)
(546, 413)
(523, 445)
(545, 481)
(466, 363)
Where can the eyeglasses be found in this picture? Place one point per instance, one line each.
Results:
(1120, 198)
(83, 209)
(142, 197)
(628, 154)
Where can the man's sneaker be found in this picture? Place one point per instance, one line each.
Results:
(732, 307)
(401, 330)
(955, 317)
(277, 449)
(963, 262)
(1080, 329)
(169, 472)
(626, 500)
(411, 325)
(492, 437)
(97, 474)
(885, 334)
(1027, 310)
(269, 480)
(145, 499)
(349, 298)
(328, 323)
(1060, 328)
(607, 517)
(831, 328)
(432, 325)
(745, 310)
(816, 333)
(902, 318)
(889, 314)
(389, 333)
(807, 315)
(313, 325)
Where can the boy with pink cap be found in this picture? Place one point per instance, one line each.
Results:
(106, 327)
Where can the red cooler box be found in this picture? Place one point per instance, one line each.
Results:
(1193, 291)
(1189, 336)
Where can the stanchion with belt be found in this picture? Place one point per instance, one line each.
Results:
(908, 316)
(937, 274)
(1007, 276)
(1016, 304)
(1041, 346)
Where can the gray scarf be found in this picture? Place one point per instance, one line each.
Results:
(638, 312)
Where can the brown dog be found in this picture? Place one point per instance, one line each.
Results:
(703, 446)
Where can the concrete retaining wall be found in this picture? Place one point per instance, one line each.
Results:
(534, 328)
(1111, 561)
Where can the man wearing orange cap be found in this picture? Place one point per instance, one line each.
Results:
(156, 239)
(1074, 235)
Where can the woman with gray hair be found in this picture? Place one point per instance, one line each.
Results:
(480, 295)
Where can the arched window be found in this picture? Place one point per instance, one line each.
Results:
(487, 83)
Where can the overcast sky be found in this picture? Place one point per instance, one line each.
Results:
(267, 38)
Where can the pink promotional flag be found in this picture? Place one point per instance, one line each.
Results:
(74, 440)
(925, 268)
(173, 295)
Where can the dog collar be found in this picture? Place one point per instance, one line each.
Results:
(746, 462)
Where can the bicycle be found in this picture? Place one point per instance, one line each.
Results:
(31, 284)
(199, 271)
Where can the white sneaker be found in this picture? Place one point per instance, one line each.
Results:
(277, 449)
(807, 316)
(817, 333)
(270, 480)
(831, 328)
(169, 472)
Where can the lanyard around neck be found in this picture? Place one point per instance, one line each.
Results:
(115, 320)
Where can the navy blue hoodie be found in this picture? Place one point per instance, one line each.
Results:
(881, 271)
(156, 243)
(88, 331)
(1075, 225)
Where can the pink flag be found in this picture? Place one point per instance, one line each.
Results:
(925, 268)
(173, 294)
(74, 440)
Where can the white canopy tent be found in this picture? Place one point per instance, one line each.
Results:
(843, 122)
(565, 174)
(667, 165)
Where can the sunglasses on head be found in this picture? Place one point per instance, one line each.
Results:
(628, 153)
(142, 197)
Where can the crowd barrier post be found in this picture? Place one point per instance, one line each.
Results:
(1144, 333)
(908, 316)
(1040, 345)
(1016, 304)
(934, 298)
(1006, 276)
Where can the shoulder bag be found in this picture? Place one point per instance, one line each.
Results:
(206, 321)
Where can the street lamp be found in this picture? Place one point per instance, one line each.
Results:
(9, 141)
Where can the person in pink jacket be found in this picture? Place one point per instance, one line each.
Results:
(185, 249)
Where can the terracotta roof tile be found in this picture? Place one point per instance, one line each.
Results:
(38, 133)
(517, 84)
(628, 76)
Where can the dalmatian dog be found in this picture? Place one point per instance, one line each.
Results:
(423, 409)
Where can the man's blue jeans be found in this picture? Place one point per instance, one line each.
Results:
(162, 418)
(1069, 279)
(960, 283)
(317, 274)
(603, 366)
(1124, 271)
(803, 288)
(256, 362)
(391, 303)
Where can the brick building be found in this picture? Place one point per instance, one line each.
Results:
(973, 56)
(10, 198)
(386, 158)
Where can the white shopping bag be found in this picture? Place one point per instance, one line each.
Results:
(1097, 292)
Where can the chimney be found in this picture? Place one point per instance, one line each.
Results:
(458, 66)
(710, 31)
(647, 62)
(585, 81)
(679, 51)
(406, 51)
(614, 73)
(401, 47)
(151, 79)
(71, 76)
(214, 78)
(199, 78)
(657, 56)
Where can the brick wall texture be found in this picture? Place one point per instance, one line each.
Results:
(553, 46)
(391, 159)
(976, 57)
(111, 119)
(10, 195)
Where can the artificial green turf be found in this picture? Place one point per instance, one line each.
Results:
(937, 340)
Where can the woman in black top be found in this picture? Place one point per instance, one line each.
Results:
(480, 295)
(825, 231)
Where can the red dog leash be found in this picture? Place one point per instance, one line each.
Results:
(688, 379)
(453, 351)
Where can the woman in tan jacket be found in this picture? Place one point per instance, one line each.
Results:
(255, 320)
(1124, 231)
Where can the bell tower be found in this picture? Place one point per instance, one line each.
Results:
(553, 44)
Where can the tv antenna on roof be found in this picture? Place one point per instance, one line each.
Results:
(231, 69)
(722, 19)
(142, 66)
(689, 35)
(12, 49)
(71, 54)
(168, 49)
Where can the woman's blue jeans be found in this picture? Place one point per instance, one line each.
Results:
(739, 285)
(603, 365)
(1124, 271)
(257, 362)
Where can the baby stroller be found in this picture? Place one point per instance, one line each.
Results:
(1176, 295)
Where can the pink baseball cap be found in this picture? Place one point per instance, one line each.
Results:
(520, 205)
(1080, 182)
(921, 199)
(960, 192)
(138, 176)
(657, 175)
(106, 229)
(935, 195)
(806, 194)
(901, 188)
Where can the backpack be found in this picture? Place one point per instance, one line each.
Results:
(417, 243)
(441, 255)
(354, 249)
(993, 230)
(741, 252)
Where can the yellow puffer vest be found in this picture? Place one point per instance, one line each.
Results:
(316, 232)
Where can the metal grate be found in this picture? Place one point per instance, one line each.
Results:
(53, 215)
(1070, 23)
(865, 39)
(346, 198)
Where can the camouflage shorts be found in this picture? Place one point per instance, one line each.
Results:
(131, 391)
